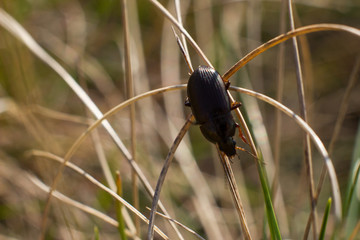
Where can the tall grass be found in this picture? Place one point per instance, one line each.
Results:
(69, 67)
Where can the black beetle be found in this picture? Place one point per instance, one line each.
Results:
(210, 104)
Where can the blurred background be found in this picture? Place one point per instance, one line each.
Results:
(38, 111)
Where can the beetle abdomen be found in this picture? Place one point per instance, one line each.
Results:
(207, 94)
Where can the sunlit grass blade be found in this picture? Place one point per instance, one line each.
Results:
(270, 213)
(325, 220)
(283, 37)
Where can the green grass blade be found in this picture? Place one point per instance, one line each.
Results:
(325, 219)
(352, 205)
(270, 213)
(352, 188)
(121, 227)
(96, 233)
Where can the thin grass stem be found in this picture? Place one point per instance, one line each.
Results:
(182, 29)
(161, 179)
(303, 114)
(130, 91)
(180, 224)
(235, 194)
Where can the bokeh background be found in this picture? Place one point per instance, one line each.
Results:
(38, 111)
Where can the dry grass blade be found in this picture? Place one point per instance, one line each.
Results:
(46, 112)
(235, 193)
(130, 90)
(19, 32)
(183, 39)
(355, 232)
(283, 37)
(344, 103)
(95, 182)
(303, 114)
(339, 121)
(15, 28)
(183, 51)
(182, 29)
(318, 143)
(133, 164)
(162, 176)
(180, 224)
(72, 202)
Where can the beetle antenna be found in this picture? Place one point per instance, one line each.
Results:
(182, 49)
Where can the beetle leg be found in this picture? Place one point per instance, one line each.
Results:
(227, 84)
(244, 150)
(235, 105)
(241, 135)
(187, 102)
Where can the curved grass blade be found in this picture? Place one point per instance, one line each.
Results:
(162, 176)
(283, 37)
(96, 183)
(318, 143)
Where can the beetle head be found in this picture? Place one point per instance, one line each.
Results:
(228, 146)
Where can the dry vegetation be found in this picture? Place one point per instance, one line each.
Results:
(43, 113)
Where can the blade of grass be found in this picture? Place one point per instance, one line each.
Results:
(182, 29)
(130, 91)
(318, 143)
(235, 193)
(283, 37)
(96, 233)
(72, 202)
(339, 122)
(205, 203)
(279, 97)
(183, 39)
(180, 224)
(349, 197)
(325, 219)
(353, 204)
(20, 33)
(161, 179)
(271, 216)
(120, 218)
(96, 183)
(355, 232)
(303, 114)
